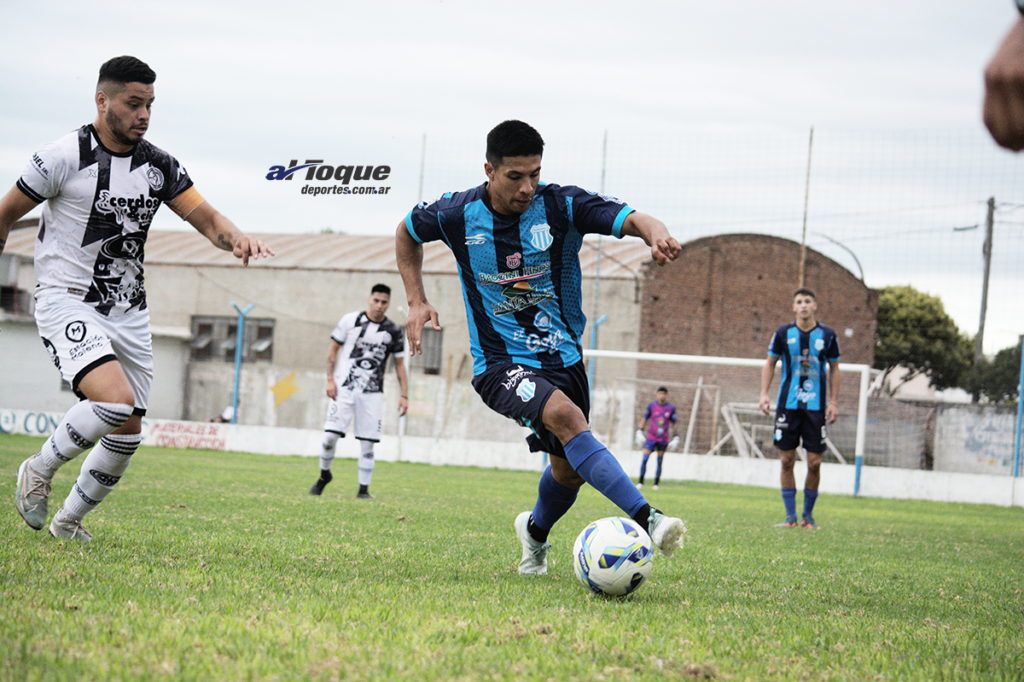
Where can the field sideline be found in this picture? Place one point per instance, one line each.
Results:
(220, 566)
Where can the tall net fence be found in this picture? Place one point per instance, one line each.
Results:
(932, 210)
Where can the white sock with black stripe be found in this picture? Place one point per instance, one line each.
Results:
(82, 426)
(101, 470)
(366, 463)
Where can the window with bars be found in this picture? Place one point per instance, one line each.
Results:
(214, 339)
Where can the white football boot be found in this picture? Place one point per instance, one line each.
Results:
(666, 532)
(535, 554)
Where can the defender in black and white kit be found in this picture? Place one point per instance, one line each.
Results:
(100, 187)
(356, 359)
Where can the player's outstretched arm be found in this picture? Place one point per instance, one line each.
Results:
(409, 255)
(664, 247)
(13, 207)
(1003, 109)
(766, 381)
(222, 232)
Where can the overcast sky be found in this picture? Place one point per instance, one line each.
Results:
(245, 86)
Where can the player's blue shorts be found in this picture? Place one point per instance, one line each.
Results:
(651, 445)
(520, 393)
(792, 426)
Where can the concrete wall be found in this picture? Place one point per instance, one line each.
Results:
(836, 479)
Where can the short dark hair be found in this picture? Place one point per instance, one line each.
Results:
(125, 69)
(513, 138)
(661, 389)
(380, 289)
(804, 291)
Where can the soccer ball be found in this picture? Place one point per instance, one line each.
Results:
(612, 556)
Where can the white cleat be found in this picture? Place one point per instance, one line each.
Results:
(666, 532)
(69, 529)
(535, 554)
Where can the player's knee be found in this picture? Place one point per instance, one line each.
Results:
(330, 440)
(565, 475)
(563, 418)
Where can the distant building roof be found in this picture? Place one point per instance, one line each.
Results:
(620, 258)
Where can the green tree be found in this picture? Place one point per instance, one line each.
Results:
(914, 332)
(997, 379)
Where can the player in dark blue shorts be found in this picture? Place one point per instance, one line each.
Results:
(810, 371)
(516, 241)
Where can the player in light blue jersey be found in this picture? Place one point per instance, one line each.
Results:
(516, 242)
(810, 372)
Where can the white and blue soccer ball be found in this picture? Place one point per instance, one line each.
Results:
(612, 556)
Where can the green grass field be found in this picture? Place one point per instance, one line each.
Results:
(220, 566)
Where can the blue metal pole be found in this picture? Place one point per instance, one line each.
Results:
(1020, 412)
(238, 356)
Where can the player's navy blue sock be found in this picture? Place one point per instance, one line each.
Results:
(789, 499)
(643, 467)
(599, 468)
(810, 497)
(553, 500)
(657, 471)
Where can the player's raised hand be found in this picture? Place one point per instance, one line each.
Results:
(665, 249)
(247, 246)
(419, 315)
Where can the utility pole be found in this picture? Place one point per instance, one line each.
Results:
(807, 197)
(986, 251)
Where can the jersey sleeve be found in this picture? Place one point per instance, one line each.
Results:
(832, 350)
(672, 414)
(44, 175)
(777, 345)
(342, 329)
(397, 346)
(593, 213)
(177, 180)
(422, 222)
(647, 412)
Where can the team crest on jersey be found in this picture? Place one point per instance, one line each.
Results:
(155, 178)
(819, 345)
(540, 237)
(513, 261)
(526, 390)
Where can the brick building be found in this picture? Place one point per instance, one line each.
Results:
(725, 296)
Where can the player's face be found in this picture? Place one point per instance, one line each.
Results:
(662, 397)
(512, 183)
(126, 112)
(804, 306)
(377, 306)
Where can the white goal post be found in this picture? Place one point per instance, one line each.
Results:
(862, 398)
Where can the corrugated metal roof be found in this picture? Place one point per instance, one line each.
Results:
(620, 258)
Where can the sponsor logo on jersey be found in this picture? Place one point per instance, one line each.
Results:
(40, 166)
(529, 272)
(540, 344)
(139, 209)
(476, 239)
(526, 390)
(513, 261)
(155, 178)
(518, 297)
(514, 375)
(540, 237)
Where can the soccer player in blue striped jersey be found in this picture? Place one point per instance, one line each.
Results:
(516, 242)
(810, 372)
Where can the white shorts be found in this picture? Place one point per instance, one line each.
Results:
(79, 339)
(364, 409)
